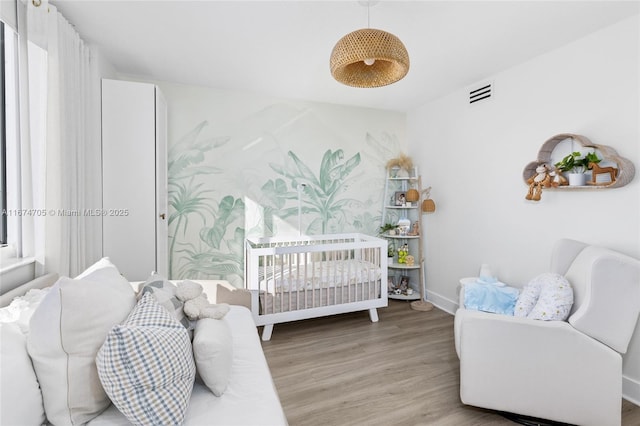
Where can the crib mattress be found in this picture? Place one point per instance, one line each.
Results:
(319, 275)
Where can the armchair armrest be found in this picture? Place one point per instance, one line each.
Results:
(502, 358)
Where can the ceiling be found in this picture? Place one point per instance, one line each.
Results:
(282, 48)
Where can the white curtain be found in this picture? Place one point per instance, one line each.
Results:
(62, 145)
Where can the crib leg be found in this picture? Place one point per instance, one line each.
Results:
(373, 314)
(266, 332)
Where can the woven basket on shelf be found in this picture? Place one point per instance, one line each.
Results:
(412, 195)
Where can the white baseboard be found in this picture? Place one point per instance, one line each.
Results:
(631, 390)
(442, 302)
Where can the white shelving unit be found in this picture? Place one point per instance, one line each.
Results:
(392, 211)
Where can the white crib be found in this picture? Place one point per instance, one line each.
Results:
(315, 276)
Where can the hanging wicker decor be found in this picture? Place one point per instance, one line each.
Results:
(412, 195)
(369, 58)
(428, 205)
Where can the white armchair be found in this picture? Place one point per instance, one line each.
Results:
(563, 371)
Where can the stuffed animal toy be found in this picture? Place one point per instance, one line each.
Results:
(402, 253)
(557, 179)
(196, 304)
(542, 179)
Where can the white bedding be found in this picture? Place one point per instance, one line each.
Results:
(21, 308)
(250, 398)
(321, 274)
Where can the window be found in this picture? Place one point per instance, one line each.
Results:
(9, 158)
(3, 143)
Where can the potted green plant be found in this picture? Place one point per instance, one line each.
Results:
(388, 228)
(575, 165)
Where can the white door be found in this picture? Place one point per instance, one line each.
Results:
(162, 188)
(129, 176)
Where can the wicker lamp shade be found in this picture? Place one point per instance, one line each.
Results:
(348, 66)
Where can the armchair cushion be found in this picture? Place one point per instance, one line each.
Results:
(607, 295)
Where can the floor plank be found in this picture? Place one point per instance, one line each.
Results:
(403, 370)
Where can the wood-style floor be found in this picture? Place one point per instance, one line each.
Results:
(403, 370)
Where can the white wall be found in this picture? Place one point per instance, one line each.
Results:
(473, 156)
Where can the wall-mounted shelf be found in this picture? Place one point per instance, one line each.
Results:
(626, 170)
(401, 237)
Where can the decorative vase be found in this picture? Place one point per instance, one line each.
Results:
(403, 226)
(577, 179)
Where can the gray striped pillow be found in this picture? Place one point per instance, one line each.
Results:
(146, 366)
(165, 293)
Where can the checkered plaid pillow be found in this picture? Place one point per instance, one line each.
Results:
(146, 366)
(165, 293)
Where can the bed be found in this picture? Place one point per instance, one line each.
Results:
(315, 276)
(250, 382)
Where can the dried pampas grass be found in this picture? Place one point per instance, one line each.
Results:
(402, 161)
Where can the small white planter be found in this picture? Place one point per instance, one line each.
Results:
(577, 179)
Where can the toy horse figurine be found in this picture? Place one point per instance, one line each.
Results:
(597, 170)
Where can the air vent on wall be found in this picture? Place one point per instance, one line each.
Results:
(482, 92)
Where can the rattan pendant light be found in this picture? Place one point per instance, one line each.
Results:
(369, 58)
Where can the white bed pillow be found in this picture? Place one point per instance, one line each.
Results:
(20, 396)
(212, 349)
(66, 331)
(555, 301)
(99, 269)
(146, 366)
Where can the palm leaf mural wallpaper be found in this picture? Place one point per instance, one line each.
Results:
(221, 192)
(323, 191)
(186, 198)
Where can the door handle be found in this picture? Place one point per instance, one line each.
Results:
(163, 216)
